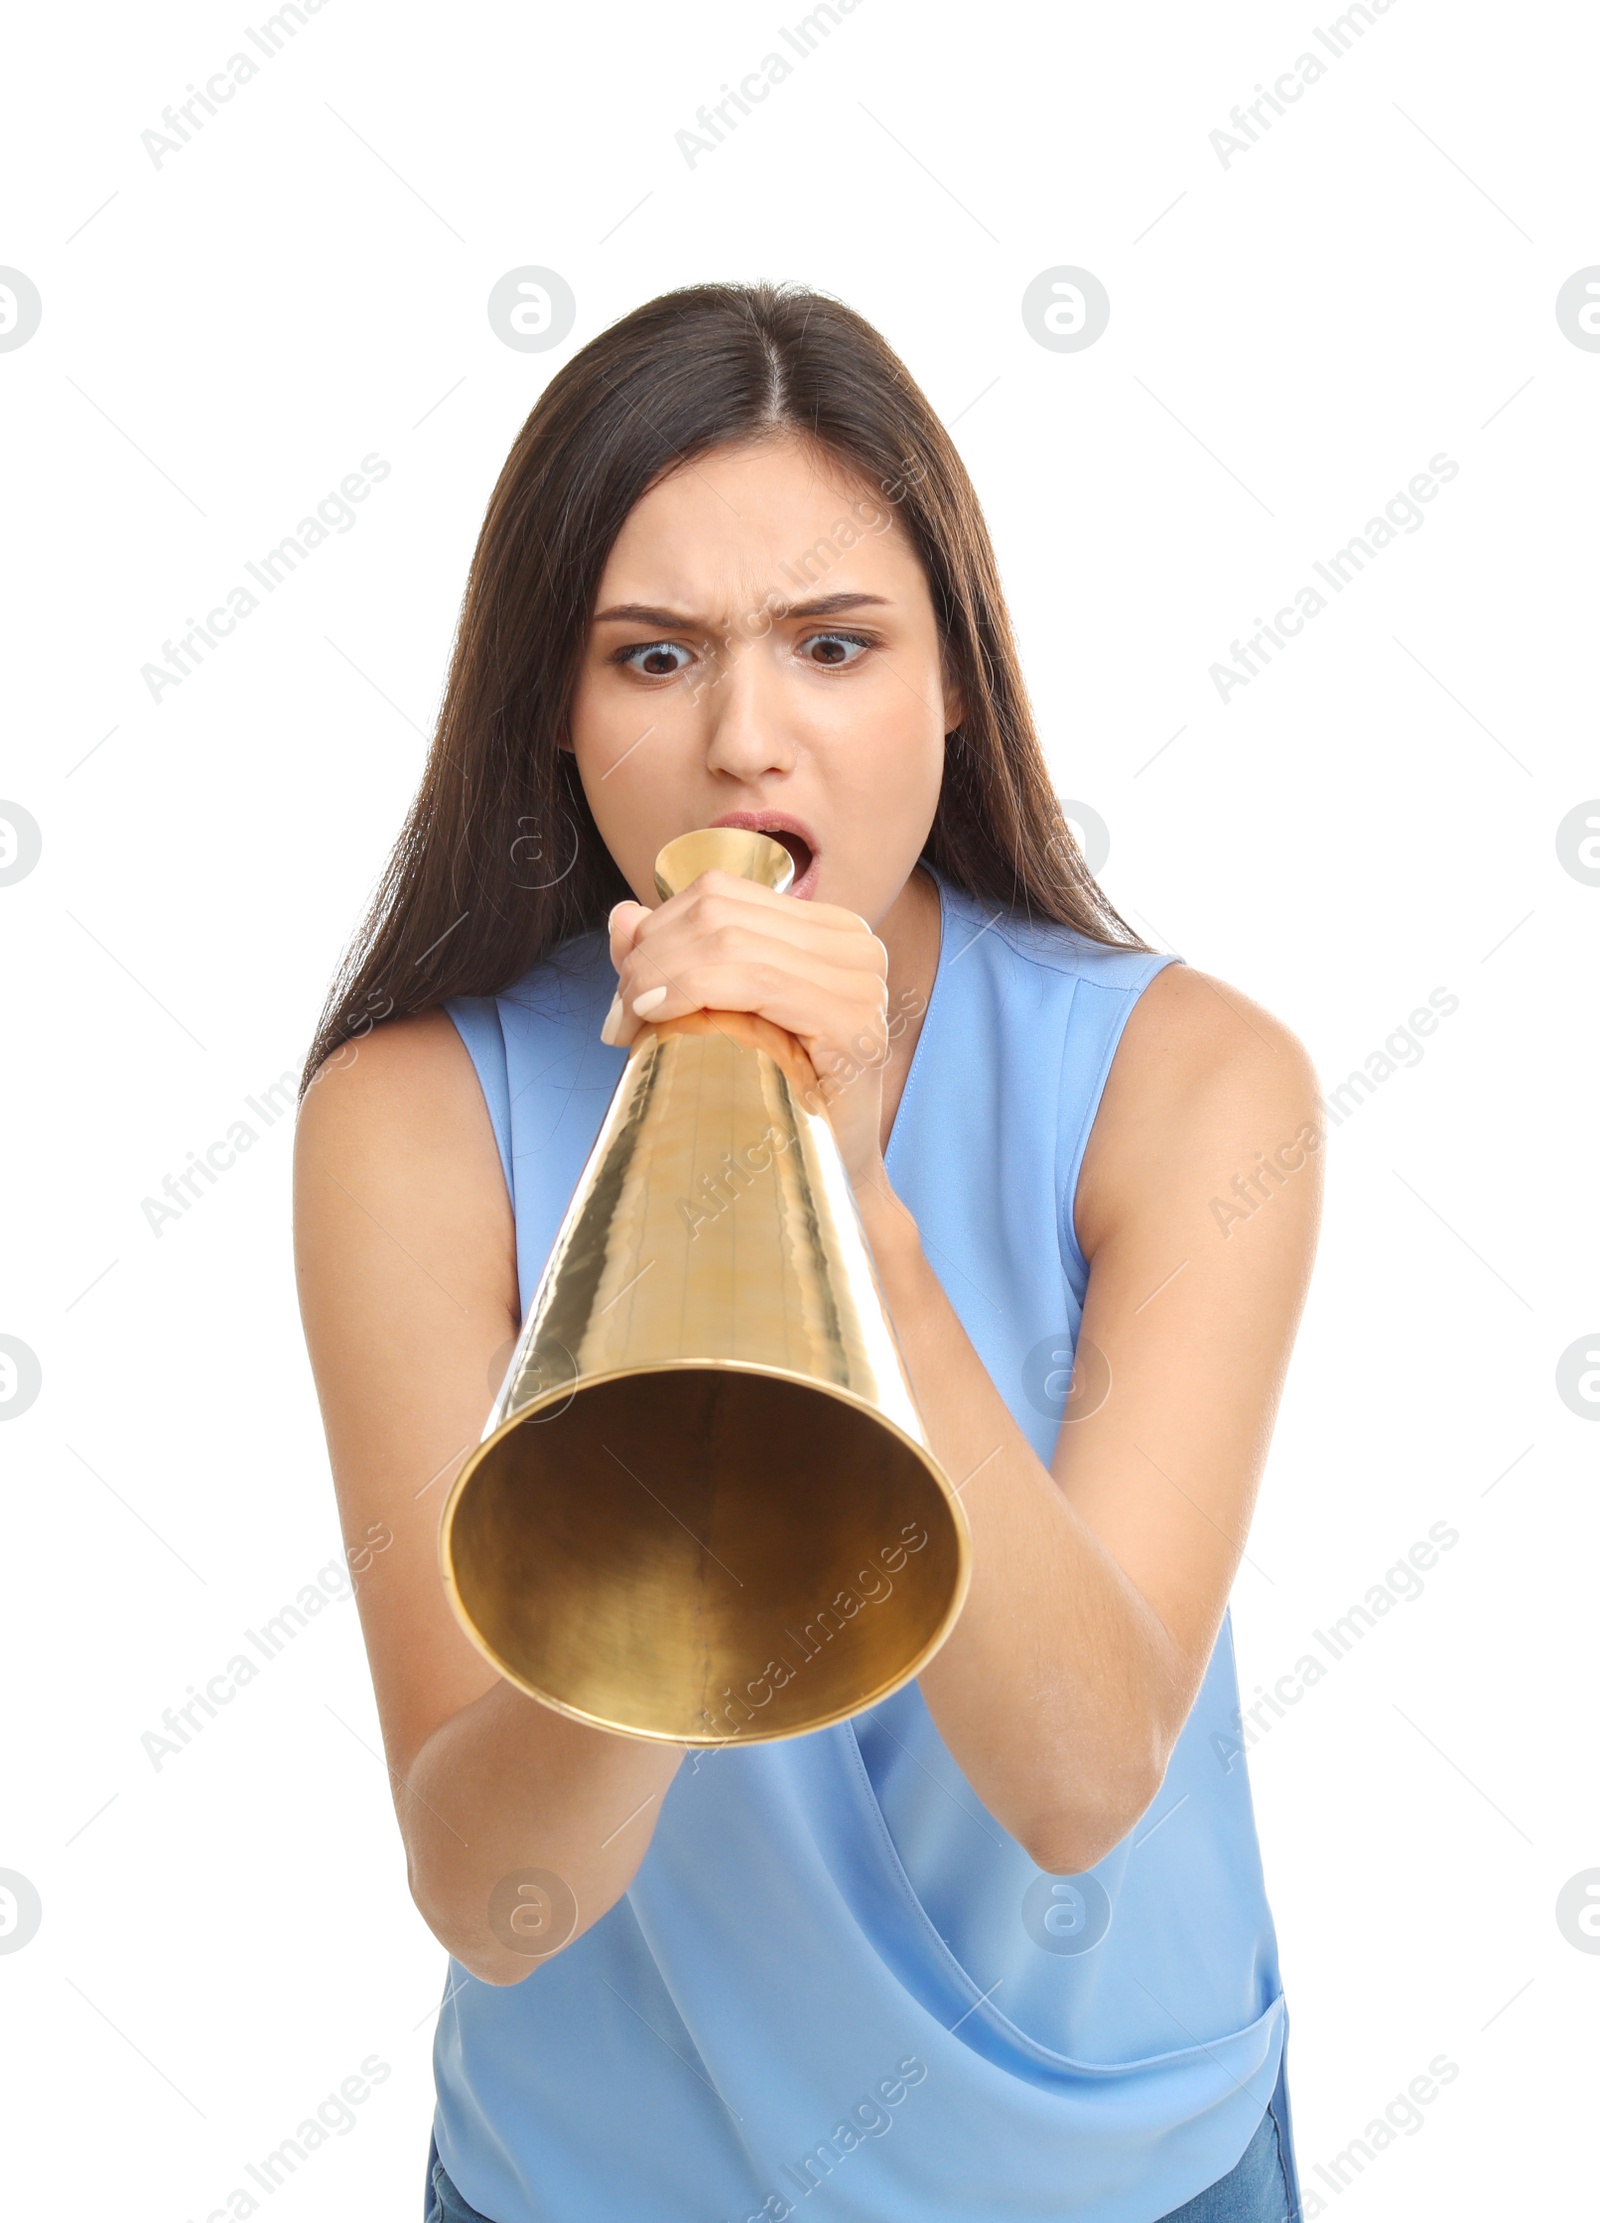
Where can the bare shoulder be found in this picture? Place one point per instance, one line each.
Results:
(1205, 1084)
(394, 1128)
(405, 1090)
(406, 1073)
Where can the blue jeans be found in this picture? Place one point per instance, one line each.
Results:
(1260, 2188)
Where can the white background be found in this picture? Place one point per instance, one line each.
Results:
(1292, 337)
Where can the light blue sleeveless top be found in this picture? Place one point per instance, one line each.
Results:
(836, 1975)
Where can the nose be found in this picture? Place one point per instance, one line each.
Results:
(748, 733)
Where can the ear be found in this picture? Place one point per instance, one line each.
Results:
(955, 702)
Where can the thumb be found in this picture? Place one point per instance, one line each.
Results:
(622, 926)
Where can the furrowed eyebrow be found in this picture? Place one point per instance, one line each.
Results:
(827, 605)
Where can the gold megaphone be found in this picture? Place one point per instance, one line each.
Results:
(704, 1509)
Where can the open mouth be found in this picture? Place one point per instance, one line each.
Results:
(798, 847)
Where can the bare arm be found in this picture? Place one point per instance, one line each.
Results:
(405, 1254)
(1099, 1583)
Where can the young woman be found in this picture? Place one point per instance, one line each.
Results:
(1000, 1945)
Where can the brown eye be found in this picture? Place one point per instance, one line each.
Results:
(836, 650)
(654, 659)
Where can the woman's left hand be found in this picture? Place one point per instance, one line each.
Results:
(726, 944)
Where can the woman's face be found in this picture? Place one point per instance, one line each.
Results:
(763, 652)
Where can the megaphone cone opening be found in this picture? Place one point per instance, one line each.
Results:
(704, 1554)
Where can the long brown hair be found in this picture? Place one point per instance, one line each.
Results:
(499, 859)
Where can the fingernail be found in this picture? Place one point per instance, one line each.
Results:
(609, 1024)
(611, 918)
(650, 1001)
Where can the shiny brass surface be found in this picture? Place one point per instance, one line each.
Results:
(723, 849)
(704, 1509)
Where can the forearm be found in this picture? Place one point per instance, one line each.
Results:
(508, 1784)
(1059, 1691)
